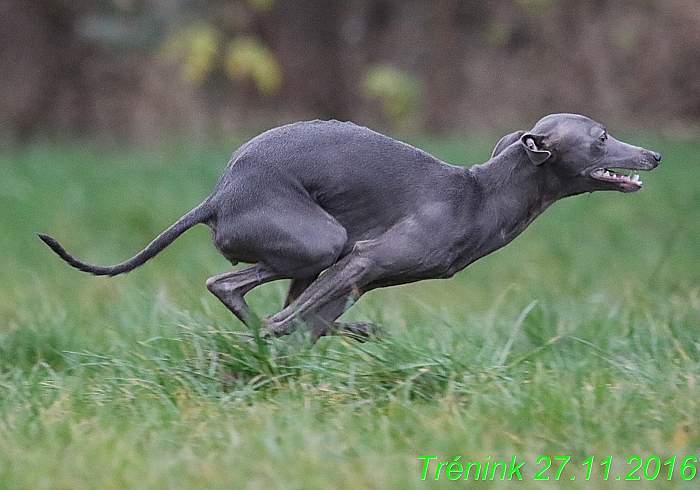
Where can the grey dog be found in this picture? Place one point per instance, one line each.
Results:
(341, 210)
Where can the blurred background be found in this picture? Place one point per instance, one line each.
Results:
(136, 70)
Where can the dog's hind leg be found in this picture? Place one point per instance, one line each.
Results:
(296, 287)
(230, 288)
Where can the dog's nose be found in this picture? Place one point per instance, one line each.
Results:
(655, 155)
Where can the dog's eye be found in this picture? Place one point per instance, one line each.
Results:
(604, 137)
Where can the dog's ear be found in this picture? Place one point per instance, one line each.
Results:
(535, 148)
(506, 141)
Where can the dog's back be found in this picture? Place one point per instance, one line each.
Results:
(365, 180)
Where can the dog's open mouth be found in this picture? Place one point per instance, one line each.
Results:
(606, 175)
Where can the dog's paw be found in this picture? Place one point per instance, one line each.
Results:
(270, 329)
(265, 329)
(361, 331)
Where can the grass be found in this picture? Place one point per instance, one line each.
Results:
(582, 338)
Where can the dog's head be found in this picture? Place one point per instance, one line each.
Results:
(581, 154)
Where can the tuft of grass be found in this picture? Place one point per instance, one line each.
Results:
(581, 338)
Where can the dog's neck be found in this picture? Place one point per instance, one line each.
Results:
(515, 192)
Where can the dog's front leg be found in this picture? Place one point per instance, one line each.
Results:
(326, 298)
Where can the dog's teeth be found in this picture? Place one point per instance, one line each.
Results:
(635, 178)
(606, 174)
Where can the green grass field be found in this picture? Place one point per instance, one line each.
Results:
(580, 339)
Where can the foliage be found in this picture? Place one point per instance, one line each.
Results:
(398, 92)
(249, 57)
(200, 50)
(580, 339)
(97, 67)
(196, 50)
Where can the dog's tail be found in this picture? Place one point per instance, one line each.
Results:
(200, 214)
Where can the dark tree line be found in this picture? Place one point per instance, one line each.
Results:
(142, 68)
